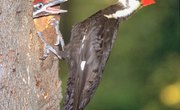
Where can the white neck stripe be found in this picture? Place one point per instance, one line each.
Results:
(129, 9)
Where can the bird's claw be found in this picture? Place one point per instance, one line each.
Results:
(59, 39)
(47, 48)
(53, 22)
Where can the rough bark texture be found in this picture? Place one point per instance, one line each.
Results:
(26, 83)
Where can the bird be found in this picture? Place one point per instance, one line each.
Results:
(89, 48)
(44, 9)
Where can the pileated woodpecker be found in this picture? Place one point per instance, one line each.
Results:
(89, 48)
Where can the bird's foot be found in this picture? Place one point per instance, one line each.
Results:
(47, 48)
(59, 38)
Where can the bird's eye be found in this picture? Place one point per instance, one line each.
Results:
(40, 5)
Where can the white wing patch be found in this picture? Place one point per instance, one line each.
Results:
(84, 37)
(83, 63)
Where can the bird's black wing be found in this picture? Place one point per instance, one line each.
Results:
(88, 51)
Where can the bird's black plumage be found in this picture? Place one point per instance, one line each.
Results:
(91, 43)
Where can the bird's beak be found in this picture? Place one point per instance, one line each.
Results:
(49, 9)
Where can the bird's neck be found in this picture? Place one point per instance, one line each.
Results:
(129, 7)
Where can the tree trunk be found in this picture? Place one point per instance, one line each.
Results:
(26, 83)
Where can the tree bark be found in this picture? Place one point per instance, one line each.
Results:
(26, 83)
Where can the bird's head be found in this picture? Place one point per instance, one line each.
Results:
(129, 7)
(45, 7)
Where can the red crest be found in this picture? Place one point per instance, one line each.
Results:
(147, 2)
(40, 1)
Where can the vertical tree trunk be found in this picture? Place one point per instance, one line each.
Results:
(26, 83)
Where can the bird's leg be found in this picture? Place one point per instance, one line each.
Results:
(47, 48)
(59, 39)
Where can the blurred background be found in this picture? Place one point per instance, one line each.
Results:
(143, 71)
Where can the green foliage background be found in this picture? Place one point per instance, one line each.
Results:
(145, 59)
